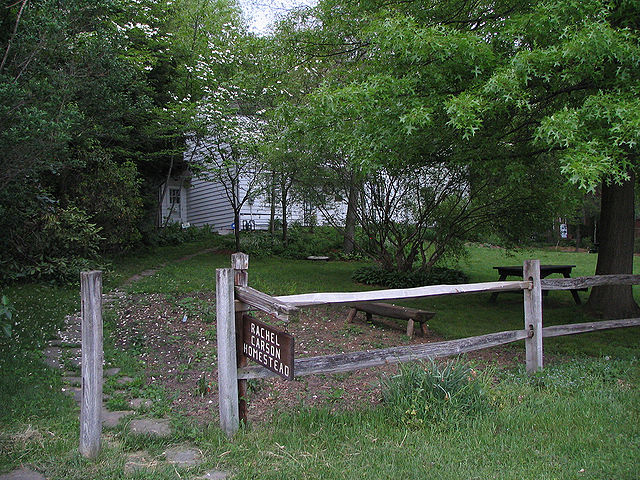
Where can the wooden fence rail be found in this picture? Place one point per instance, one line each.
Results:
(345, 362)
(308, 299)
(232, 365)
(585, 282)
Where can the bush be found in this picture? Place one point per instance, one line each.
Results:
(376, 275)
(423, 393)
(53, 244)
(110, 193)
(302, 243)
(6, 316)
(175, 234)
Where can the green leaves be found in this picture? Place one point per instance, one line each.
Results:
(574, 77)
(595, 137)
(6, 316)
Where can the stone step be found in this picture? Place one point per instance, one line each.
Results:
(214, 475)
(140, 403)
(22, 474)
(112, 419)
(157, 427)
(184, 456)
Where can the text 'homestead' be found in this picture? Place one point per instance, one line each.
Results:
(271, 348)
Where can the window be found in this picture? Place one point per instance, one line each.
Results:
(174, 196)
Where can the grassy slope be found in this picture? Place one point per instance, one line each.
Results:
(575, 421)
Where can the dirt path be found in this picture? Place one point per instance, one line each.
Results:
(64, 354)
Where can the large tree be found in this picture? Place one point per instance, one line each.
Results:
(382, 112)
(572, 79)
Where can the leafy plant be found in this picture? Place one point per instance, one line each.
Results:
(198, 307)
(376, 275)
(428, 392)
(61, 242)
(6, 316)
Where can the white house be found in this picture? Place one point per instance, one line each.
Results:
(199, 201)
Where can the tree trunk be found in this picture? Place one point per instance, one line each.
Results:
(236, 228)
(164, 193)
(615, 254)
(285, 226)
(350, 223)
(272, 199)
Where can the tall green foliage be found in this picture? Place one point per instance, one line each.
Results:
(572, 83)
(381, 118)
(95, 102)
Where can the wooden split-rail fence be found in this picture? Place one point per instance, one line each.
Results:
(234, 297)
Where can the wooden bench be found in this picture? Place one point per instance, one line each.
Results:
(411, 315)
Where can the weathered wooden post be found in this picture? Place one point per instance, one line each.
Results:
(92, 357)
(533, 315)
(227, 367)
(240, 265)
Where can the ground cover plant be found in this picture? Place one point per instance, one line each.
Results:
(577, 419)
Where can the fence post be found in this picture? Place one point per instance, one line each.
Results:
(227, 369)
(240, 265)
(92, 357)
(533, 316)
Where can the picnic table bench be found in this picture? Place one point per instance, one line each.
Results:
(545, 271)
(411, 315)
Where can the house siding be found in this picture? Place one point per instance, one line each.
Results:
(207, 204)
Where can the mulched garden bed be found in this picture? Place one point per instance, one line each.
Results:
(175, 336)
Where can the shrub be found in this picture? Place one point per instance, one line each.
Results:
(6, 316)
(53, 244)
(175, 234)
(304, 243)
(110, 193)
(301, 243)
(376, 275)
(425, 392)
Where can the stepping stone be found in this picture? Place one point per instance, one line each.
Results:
(76, 392)
(52, 357)
(72, 380)
(110, 372)
(184, 457)
(137, 461)
(124, 380)
(160, 428)
(22, 474)
(215, 475)
(112, 419)
(71, 336)
(140, 402)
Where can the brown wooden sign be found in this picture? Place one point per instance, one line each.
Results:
(268, 346)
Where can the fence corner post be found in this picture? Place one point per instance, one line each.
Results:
(226, 339)
(92, 358)
(240, 265)
(533, 316)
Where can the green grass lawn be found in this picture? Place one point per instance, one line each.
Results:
(457, 316)
(576, 420)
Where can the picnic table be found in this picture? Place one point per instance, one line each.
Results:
(545, 271)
